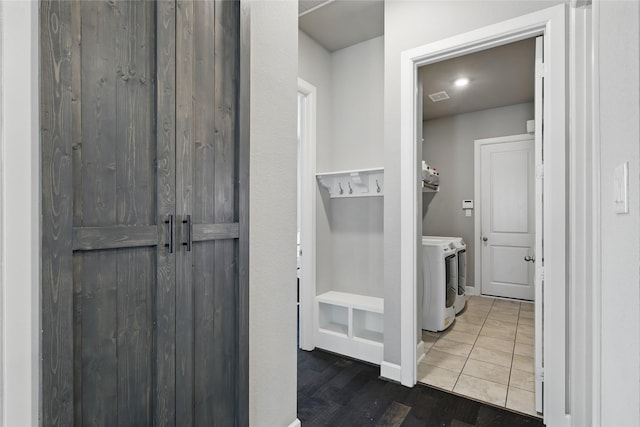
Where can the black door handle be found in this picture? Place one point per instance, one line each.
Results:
(189, 240)
(169, 222)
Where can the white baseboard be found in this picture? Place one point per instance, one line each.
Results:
(420, 352)
(391, 371)
(471, 290)
(296, 423)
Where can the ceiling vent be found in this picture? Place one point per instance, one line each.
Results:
(439, 96)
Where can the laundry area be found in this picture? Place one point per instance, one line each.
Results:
(478, 226)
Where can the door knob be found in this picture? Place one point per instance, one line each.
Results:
(484, 239)
(530, 258)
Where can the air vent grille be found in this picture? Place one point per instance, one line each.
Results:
(439, 96)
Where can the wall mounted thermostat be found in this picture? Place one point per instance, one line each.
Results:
(467, 204)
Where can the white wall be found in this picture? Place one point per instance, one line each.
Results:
(619, 66)
(272, 252)
(349, 236)
(358, 105)
(20, 214)
(409, 24)
(449, 146)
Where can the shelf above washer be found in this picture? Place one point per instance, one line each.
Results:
(353, 183)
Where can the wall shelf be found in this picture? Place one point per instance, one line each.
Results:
(426, 188)
(353, 183)
(351, 324)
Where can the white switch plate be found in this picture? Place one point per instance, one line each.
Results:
(621, 188)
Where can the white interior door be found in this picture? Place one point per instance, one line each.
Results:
(507, 216)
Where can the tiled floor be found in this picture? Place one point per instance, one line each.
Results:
(487, 354)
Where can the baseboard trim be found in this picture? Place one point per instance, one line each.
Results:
(420, 352)
(391, 371)
(296, 423)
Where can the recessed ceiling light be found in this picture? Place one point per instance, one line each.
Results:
(461, 82)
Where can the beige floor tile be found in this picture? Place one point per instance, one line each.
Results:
(487, 371)
(526, 321)
(523, 349)
(481, 300)
(480, 389)
(438, 377)
(426, 333)
(506, 303)
(428, 339)
(444, 360)
(521, 401)
(462, 337)
(494, 344)
(511, 318)
(501, 358)
(470, 318)
(505, 310)
(522, 379)
(527, 306)
(523, 363)
(527, 314)
(500, 333)
(500, 324)
(477, 311)
(427, 346)
(527, 329)
(453, 347)
(466, 327)
(524, 338)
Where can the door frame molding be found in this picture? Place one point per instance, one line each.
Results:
(308, 216)
(477, 224)
(553, 24)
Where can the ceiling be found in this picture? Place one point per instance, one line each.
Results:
(498, 77)
(337, 24)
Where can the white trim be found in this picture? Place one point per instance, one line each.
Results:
(296, 423)
(477, 224)
(390, 371)
(21, 209)
(308, 221)
(2, 144)
(420, 352)
(596, 243)
(551, 23)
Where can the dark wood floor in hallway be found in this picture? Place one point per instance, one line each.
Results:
(335, 391)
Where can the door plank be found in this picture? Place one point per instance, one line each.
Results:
(136, 278)
(184, 186)
(118, 236)
(202, 232)
(57, 264)
(99, 336)
(164, 344)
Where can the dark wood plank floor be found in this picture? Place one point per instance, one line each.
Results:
(335, 391)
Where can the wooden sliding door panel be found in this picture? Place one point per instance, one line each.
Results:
(207, 194)
(109, 175)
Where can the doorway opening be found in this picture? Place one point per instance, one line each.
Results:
(306, 213)
(481, 347)
(549, 23)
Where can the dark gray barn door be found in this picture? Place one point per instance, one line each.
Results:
(137, 328)
(207, 209)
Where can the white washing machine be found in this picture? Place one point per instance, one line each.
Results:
(461, 256)
(440, 281)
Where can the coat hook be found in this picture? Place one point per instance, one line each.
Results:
(340, 186)
(378, 186)
(350, 189)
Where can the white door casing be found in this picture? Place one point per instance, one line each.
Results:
(539, 231)
(307, 214)
(552, 23)
(506, 169)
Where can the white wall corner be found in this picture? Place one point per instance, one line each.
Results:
(296, 423)
(419, 352)
(391, 371)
